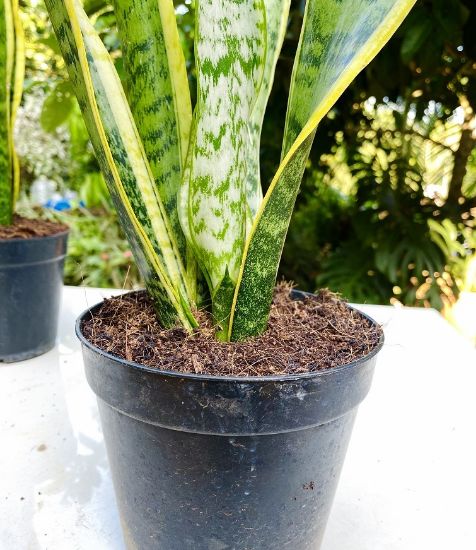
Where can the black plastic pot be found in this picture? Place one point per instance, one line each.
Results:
(214, 463)
(31, 278)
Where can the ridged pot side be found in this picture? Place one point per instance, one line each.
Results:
(202, 462)
(31, 280)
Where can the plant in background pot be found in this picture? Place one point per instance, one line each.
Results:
(206, 450)
(458, 243)
(31, 251)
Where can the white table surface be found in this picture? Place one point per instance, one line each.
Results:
(409, 480)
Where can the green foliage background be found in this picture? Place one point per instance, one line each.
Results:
(388, 201)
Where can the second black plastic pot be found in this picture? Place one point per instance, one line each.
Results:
(214, 463)
(31, 280)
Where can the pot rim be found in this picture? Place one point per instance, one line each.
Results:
(36, 239)
(221, 378)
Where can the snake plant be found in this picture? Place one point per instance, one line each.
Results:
(186, 184)
(11, 83)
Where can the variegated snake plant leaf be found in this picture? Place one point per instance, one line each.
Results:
(12, 68)
(188, 189)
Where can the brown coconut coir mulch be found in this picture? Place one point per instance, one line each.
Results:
(317, 333)
(24, 228)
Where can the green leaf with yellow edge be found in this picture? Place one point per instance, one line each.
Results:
(6, 68)
(158, 93)
(338, 39)
(123, 161)
(277, 14)
(17, 91)
(12, 68)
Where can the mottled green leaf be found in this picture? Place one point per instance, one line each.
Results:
(12, 65)
(338, 39)
(277, 13)
(123, 161)
(230, 47)
(6, 68)
(158, 93)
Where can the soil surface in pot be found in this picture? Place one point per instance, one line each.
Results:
(317, 333)
(25, 228)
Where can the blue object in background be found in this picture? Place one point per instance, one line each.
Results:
(63, 203)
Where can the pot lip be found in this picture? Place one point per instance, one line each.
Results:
(37, 239)
(221, 378)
